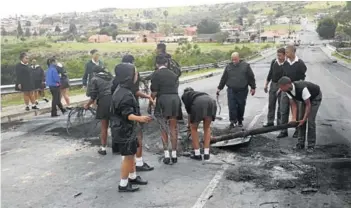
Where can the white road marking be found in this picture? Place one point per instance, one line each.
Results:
(201, 201)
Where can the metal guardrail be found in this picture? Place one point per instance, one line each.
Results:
(10, 89)
(336, 50)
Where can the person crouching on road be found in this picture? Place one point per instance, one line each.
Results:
(164, 86)
(100, 91)
(124, 127)
(237, 76)
(276, 72)
(200, 107)
(53, 82)
(128, 62)
(311, 95)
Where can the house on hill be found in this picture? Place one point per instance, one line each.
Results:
(190, 31)
(99, 39)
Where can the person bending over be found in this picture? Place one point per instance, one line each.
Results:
(100, 91)
(124, 127)
(200, 107)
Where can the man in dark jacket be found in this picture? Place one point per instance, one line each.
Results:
(124, 127)
(295, 69)
(88, 73)
(237, 76)
(24, 81)
(311, 95)
(275, 73)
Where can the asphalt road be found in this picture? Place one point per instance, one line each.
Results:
(40, 169)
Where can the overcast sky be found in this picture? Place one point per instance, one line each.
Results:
(13, 7)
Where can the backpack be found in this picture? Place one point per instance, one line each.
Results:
(175, 67)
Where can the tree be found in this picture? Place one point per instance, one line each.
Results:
(57, 29)
(221, 36)
(165, 13)
(106, 24)
(326, 28)
(27, 33)
(114, 34)
(28, 23)
(100, 23)
(42, 31)
(19, 29)
(250, 19)
(208, 26)
(243, 11)
(279, 12)
(72, 29)
(35, 33)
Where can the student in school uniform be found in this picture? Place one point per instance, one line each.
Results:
(200, 107)
(124, 127)
(164, 87)
(128, 62)
(99, 91)
(311, 95)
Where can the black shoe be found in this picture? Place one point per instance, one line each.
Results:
(167, 160)
(206, 157)
(295, 134)
(46, 100)
(144, 167)
(268, 124)
(36, 103)
(300, 146)
(102, 152)
(128, 188)
(195, 157)
(137, 181)
(174, 160)
(27, 108)
(54, 115)
(35, 107)
(63, 111)
(282, 135)
(240, 124)
(68, 108)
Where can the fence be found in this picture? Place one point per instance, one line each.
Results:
(10, 89)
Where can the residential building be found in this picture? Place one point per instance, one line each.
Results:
(190, 31)
(99, 39)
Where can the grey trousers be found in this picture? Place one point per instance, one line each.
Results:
(273, 97)
(284, 109)
(311, 123)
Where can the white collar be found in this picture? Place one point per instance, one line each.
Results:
(294, 61)
(24, 63)
(162, 67)
(293, 89)
(97, 63)
(277, 60)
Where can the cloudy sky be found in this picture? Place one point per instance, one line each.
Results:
(40, 7)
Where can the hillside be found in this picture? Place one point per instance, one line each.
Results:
(228, 11)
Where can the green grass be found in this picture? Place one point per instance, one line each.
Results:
(282, 27)
(341, 57)
(17, 98)
(137, 47)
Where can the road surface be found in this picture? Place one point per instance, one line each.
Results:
(44, 168)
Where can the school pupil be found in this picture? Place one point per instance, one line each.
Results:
(200, 107)
(99, 90)
(125, 126)
(164, 87)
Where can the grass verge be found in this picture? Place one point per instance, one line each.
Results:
(17, 99)
(341, 57)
